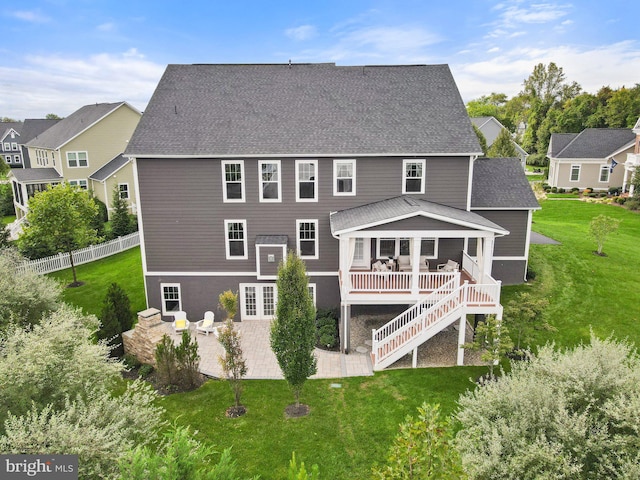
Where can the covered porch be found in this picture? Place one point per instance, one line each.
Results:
(427, 251)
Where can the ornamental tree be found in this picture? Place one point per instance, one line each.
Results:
(600, 228)
(233, 363)
(116, 317)
(503, 146)
(293, 329)
(60, 219)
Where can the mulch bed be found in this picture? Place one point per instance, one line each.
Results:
(296, 411)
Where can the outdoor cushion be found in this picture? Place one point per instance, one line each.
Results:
(182, 323)
(206, 323)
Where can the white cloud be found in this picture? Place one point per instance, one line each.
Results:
(515, 14)
(107, 27)
(33, 16)
(303, 32)
(62, 84)
(614, 65)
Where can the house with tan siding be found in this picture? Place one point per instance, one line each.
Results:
(83, 149)
(369, 173)
(589, 159)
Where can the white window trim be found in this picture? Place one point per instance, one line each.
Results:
(315, 181)
(337, 162)
(224, 163)
(120, 192)
(571, 172)
(77, 159)
(77, 183)
(244, 240)
(14, 146)
(261, 191)
(603, 167)
(397, 246)
(164, 305)
(7, 146)
(421, 161)
(317, 243)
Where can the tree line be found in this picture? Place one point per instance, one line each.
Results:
(550, 103)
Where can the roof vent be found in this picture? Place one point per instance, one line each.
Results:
(411, 202)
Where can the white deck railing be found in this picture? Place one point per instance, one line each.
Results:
(377, 282)
(84, 255)
(470, 266)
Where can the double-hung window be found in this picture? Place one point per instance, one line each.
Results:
(306, 180)
(604, 173)
(236, 239)
(344, 177)
(233, 180)
(82, 183)
(171, 301)
(14, 145)
(575, 173)
(270, 186)
(77, 159)
(123, 190)
(7, 146)
(307, 238)
(413, 176)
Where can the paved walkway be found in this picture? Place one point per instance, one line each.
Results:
(261, 361)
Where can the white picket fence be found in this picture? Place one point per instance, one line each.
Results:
(84, 255)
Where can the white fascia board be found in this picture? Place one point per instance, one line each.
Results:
(423, 214)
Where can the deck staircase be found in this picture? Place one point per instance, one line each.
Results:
(423, 320)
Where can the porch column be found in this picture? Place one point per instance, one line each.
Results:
(480, 254)
(462, 330)
(625, 179)
(416, 243)
(345, 327)
(343, 262)
(489, 243)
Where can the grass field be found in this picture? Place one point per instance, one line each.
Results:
(8, 219)
(351, 427)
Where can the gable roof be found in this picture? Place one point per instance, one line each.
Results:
(592, 143)
(482, 121)
(35, 126)
(71, 126)
(6, 127)
(109, 168)
(304, 109)
(397, 208)
(500, 183)
(558, 141)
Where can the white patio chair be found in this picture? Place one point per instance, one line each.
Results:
(180, 322)
(205, 325)
(404, 263)
(450, 266)
(424, 263)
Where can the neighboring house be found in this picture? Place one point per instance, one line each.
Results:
(588, 159)
(633, 161)
(491, 128)
(347, 166)
(82, 149)
(31, 128)
(10, 143)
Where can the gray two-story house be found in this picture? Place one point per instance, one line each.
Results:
(371, 174)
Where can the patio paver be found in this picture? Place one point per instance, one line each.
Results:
(261, 361)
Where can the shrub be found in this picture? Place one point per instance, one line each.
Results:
(561, 190)
(131, 361)
(145, 370)
(116, 317)
(621, 200)
(570, 414)
(537, 160)
(177, 366)
(233, 363)
(554, 189)
(6, 199)
(327, 328)
(632, 204)
(615, 190)
(228, 301)
(575, 190)
(26, 296)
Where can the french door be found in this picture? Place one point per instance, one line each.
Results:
(257, 301)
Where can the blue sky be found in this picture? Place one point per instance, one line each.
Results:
(57, 55)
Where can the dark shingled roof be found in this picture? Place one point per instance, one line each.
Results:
(595, 143)
(69, 127)
(6, 126)
(558, 141)
(35, 126)
(108, 169)
(406, 206)
(501, 183)
(34, 175)
(304, 109)
(272, 239)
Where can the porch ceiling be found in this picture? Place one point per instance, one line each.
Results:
(397, 208)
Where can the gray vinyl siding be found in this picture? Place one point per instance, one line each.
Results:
(199, 294)
(183, 212)
(509, 272)
(515, 221)
(266, 267)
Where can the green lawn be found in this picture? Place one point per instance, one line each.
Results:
(8, 219)
(124, 269)
(350, 428)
